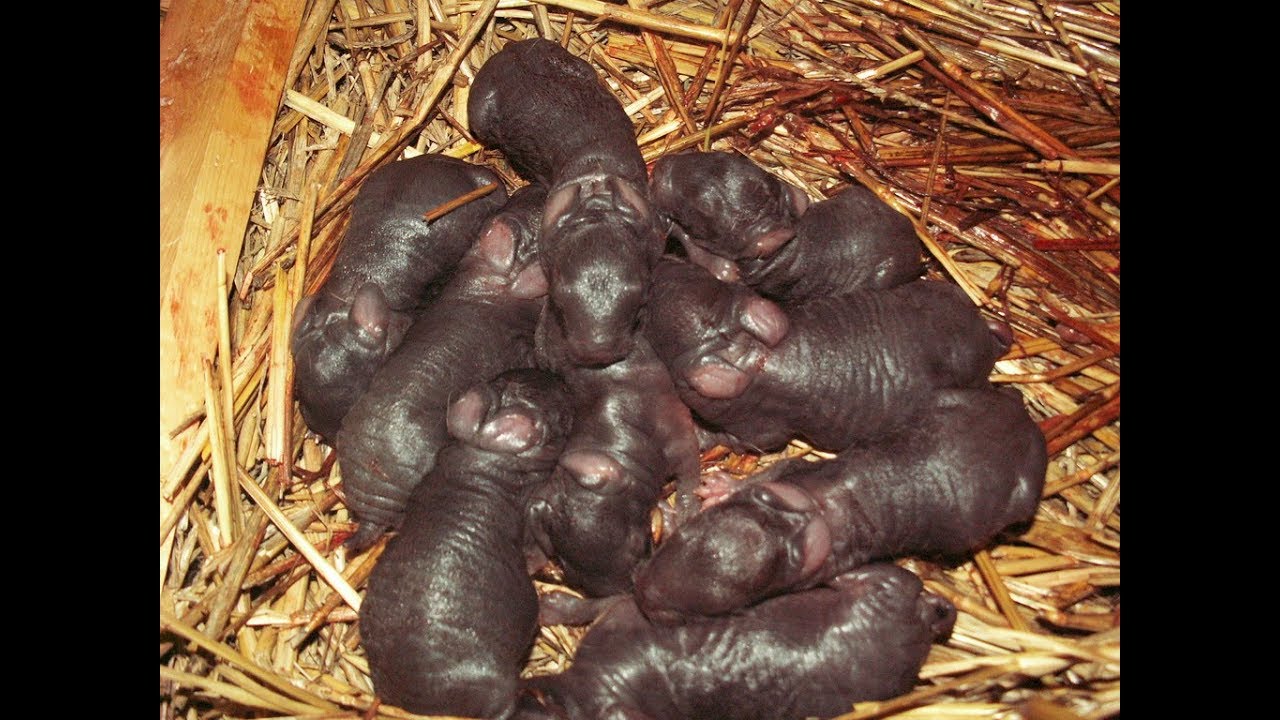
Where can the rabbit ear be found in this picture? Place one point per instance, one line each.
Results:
(817, 543)
(724, 269)
(717, 379)
(530, 283)
(767, 244)
(467, 413)
(632, 197)
(764, 319)
(594, 471)
(473, 419)
(799, 200)
(558, 203)
(511, 431)
(496, 245)
(369, 310)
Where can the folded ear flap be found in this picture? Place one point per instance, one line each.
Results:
(530, 283)
(496, 245)
(466, 413)
(717, 379)
(724, 269)
(799, 200)
(632, 197)
(781, 496)
(472, 418)
(510, 431)
(370, 312)
(817, 543)
(594, 471)
(300, 313)
(763, 319)
(558, 203)
(767, 244)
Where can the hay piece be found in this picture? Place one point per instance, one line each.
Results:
(994, 128)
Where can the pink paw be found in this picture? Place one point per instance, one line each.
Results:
(716, 486)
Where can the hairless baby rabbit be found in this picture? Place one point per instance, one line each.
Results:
(972, 464)
(450, 611)
(481, 324)
(631, 435)
(834, 371)
(725, 208)
(742, 223)
(389, 262)
(862, 636)
(549, 114)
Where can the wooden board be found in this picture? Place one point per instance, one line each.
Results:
(222, 68)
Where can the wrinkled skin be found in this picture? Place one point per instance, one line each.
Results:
(598, 252)
(834, 371)
(725, 208)
(742, 223)
(389, 262)
(450, 612)
(549, 114)
(862, 636)
(631, 435)
(972, 464)
(482, 324)
(848, 242)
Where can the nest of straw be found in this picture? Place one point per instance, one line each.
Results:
(994, 126)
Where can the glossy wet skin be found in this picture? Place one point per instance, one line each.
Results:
(973, 464)
(450, 612)
(632, 434)
(862, 636)
(390, 260)
(337, 347)
(598, 248)
(482, 324)
(546, 110)
(832, 370)
(759, 542)
(550, 115)
(727, 205)
(597, 289)
(712, 335)
(845, 243)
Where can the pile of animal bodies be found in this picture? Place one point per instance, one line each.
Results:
(518, 381)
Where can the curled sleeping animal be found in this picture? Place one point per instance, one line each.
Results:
(450, 611)
(481, 324)
(833, 370)
(861, 636)
(548, 113)
(631, 435)
(742, 223)
(390, 262)
(971, 464)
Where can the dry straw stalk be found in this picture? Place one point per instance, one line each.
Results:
(994, 126)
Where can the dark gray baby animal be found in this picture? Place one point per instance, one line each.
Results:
(481, 324)
(862, 636)
(450, 611)
(390, 261)
(971, 464)
(549, 114)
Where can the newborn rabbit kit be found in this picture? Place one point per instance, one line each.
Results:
(679, 357)
(743, 410)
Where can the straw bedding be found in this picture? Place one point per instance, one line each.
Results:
(995, 126)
